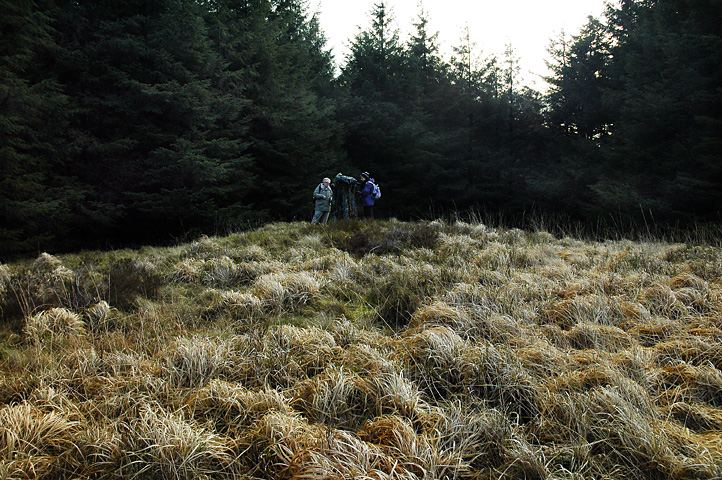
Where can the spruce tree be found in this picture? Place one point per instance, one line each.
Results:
(160, 131)
(277, 58)
(36, 194)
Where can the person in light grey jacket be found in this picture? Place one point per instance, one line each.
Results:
(323, 196)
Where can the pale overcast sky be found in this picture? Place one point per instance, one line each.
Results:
(527, 24)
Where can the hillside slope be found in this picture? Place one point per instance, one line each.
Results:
(365, 350)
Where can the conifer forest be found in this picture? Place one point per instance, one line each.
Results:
(135, 122)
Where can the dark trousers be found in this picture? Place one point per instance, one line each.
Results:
(368, 211)
(320, 217)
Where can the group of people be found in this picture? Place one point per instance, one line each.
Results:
(323, 198)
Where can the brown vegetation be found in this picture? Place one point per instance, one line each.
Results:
(365, 350)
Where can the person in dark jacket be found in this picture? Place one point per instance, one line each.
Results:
(322, 196)
(367, 194)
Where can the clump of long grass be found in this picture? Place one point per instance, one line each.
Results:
(193, 362)
(240, 305)
(440, 314)
(53, 326)
(696, 416)
(330, 259)
(124, 397)
(4, 281)
(283, 356)
(166, 445)
(233, 408)
(694, 383)
(542, 359)
(457, 250)
(586, 309)
(186, 271)
(250, 253)
(369, 359)
(690, 349)
(101, 316)
(392, 393)
(402, 287)
(661, 300)
(510, 256)
(348, 334)
(398, 439)
(286, 447)
(132, 279)
(37, 444)
(526, 460)
(629, 434)
(340, 271)
(204, 247)
(278, 291)
(592, 336)
(656, 330)
(565, 419)
(332, 398)
(436, 360)
(496, 375)
(471, 436)
(45, 284)
(219, 271)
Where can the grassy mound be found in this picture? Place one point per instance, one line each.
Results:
(365, 350)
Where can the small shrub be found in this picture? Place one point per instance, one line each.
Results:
(46, 283)
(130, 278)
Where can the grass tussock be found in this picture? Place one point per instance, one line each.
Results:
(53, 326)
(165, 445)
(37, 444)
(383, 350)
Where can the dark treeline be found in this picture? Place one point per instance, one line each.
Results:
(139, 122)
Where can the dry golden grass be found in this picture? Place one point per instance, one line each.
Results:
(165, 445)
(376, 350)
(193, 362)
(233, 408)
(53, 326)
(35, 443)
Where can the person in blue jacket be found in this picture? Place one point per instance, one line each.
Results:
(366, 194)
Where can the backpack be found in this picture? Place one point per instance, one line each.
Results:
(318, 190)
(376, 193)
